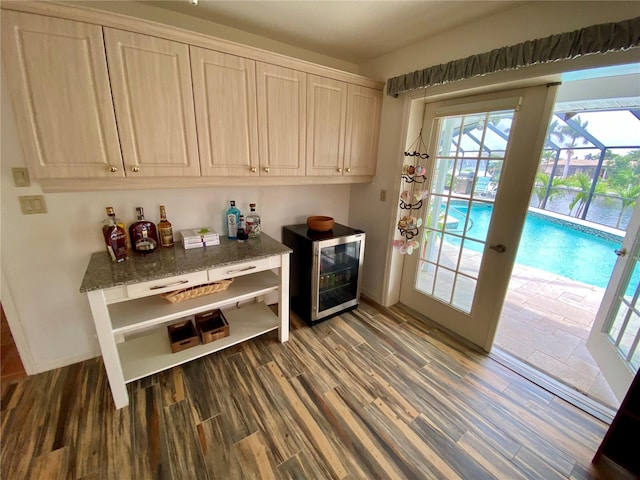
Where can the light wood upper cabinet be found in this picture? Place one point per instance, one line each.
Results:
(281, 120)
(363, 128)
(224, 90)
(131, 105)
(57, 75)
(153, 98)
(326, 120)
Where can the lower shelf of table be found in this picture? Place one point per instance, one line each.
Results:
(151, 353)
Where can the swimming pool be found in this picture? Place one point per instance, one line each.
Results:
(553, 245)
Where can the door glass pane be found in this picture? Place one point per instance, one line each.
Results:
(497, 134)
(442, 175)
(443, 285)
(450, 252)
(338, 281)
(426, 277)
(479, 220)
(472, 136)
(485, 187)
(635, 359)
(464, 292)
(629, 337)
(449, 137)
(464, 181)
(431, 249)
(471, 256)
(453, 218)
(624, 329)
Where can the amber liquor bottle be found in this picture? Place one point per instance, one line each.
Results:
(144, 237)
(115, 236)
(165, 230)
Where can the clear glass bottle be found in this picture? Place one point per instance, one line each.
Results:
(165, 230)
(144, 237)
(253, 222)
(243, 233)
(115, 236)
(233, 218)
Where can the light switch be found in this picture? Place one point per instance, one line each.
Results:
(21, 177)
(383, 195)
(32, 204)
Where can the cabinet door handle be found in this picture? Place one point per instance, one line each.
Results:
(135, 169)
(267, 169)
(174, 284)
(113, 168)
(254, 169)
(242, 269)
(348, 170)
(339, 170)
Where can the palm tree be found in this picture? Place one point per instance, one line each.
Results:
(567, 133)
(628, 196)
(540, 187)
(583, 181)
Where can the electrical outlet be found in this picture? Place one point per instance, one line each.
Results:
(20, 177)
(32, 204)
(383, 195)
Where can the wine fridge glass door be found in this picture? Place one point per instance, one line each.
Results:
(339, 265)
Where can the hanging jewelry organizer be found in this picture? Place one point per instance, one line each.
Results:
(414, 192)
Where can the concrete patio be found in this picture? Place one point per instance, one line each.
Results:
(545, 323)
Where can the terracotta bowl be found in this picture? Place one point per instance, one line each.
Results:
(320, 224)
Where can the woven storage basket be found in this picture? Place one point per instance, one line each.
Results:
(193, 292)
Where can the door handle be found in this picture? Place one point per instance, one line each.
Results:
(498, 248)
(621, 253)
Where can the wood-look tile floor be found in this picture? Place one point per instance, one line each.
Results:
(367, 394)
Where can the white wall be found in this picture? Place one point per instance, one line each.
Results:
(44, 257)
(514, 25)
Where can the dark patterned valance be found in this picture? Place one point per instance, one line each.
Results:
(607, 37)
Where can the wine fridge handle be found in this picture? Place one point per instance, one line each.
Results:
(175, 284)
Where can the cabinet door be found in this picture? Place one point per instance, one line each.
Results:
(282, 120)
(57, 75)
(151, 84)
(363, 126)
(326, 115)
(224, 90)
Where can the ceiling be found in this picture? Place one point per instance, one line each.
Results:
(352, 31)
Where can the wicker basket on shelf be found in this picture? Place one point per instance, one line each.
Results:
(193, 292)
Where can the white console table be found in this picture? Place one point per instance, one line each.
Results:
(131, 317)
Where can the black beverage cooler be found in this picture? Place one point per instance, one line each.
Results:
(326, 270)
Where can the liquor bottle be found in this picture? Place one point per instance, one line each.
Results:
(242, 229)
(233, 217)
(144, 238)
(115, 236)
(253, 222)
(165, 231)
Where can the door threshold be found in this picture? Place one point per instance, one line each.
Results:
(576, 398)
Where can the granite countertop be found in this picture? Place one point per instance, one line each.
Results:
(103, 273)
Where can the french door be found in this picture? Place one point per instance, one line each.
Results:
(614, 337)
(484, 152)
